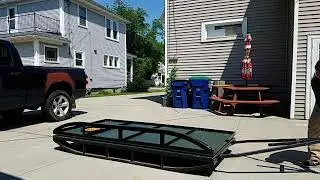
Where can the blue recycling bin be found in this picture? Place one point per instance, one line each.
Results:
(179, 94)
(200, 93)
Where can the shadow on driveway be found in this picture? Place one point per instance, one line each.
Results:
(292, 156)
(29, 118)
(4, 176)
(156, 99)
(295, 157)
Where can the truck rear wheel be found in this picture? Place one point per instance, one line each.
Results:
(58, 106)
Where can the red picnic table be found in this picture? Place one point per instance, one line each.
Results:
(232, 98)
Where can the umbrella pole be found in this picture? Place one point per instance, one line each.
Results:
(247, 57)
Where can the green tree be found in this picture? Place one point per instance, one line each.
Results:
(157, 30)
(142, 38)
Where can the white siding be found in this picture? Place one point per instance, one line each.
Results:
(91, 39)
(64, 57)
(26, 52)
(47, 16)
(48, 8)
(309, 24)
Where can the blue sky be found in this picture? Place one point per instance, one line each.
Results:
(154, 8)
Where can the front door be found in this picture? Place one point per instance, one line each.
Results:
(12, 88)
(313, 56)
(129, 70)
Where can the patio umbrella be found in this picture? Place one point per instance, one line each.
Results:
(246, 72)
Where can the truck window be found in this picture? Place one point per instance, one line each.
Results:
(5, 56)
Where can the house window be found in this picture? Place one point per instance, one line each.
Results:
(82, 16)
(112, 29)
(51, 54)
(79, 59)
(105, 61)
(224, 30)
(115, 30)
(111, 61)
(108, 28)
(116, 62)
(12, 18)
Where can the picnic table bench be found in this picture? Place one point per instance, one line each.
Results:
(234, 100)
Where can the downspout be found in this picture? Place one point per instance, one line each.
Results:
(68, 2)
(294, 59)
(166, 41)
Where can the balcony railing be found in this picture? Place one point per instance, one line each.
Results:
(28, 23)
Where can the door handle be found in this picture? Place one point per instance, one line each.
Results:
(15, 73)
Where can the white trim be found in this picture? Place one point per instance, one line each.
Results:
(315, 58)
(36, 51)
(308, 83)
(131, 70)
(16, 18)
(111, 39)
(106, 66)
(294, 60)
(111, 27)
(75, 57)
(30, 38)
(62, 25)
(312, 54)
(225, 22)
(125, 56)
(86, 26)
(118, 33)
(166, 40)
(105, 27)
(51, 62)
(242, 21)
(117, 25)
(227, 38)
(118, 64)
(110, 67)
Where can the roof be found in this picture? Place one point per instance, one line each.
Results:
(131, 56)
(2, 2)
(25, 35)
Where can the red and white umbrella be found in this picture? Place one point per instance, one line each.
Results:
(246, 72)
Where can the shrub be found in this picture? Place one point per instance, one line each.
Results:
(104, 93)
(138, 85)
(172, 76)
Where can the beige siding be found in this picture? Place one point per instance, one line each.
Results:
(309, 23)
(267, 22)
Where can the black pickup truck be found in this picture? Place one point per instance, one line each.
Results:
(54, 89)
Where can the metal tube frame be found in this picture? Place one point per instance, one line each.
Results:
(206, 157)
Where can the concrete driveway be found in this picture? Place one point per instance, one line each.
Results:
(28, 152)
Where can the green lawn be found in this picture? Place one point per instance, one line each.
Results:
(110, 93)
